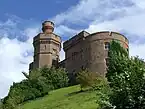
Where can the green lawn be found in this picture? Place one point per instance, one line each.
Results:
(65, 98)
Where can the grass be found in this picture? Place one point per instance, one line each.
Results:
(65, 98)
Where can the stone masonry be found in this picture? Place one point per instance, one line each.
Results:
(83, 50)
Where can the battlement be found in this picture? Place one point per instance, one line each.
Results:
(75, 39)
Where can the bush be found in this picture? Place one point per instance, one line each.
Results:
(57, 78)
(103, 91)
(38, 83)
(86, 78)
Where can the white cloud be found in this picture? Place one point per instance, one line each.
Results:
(4, 85)
(107, 15)
(64, 30)
(87, 10)
(139, 3)
(133, 24)
(137, 50)
(14, 57)
(126, 16)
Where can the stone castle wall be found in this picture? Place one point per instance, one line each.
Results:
(88, 51)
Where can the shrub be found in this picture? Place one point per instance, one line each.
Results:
(37, 84)
(86, 78)
(57, 78)
(103, 91)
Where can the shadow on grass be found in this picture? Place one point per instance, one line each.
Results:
(77, 92)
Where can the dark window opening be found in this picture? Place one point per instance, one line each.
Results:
(82, 67)
(107, 45)
(54, 62)
(74, 55)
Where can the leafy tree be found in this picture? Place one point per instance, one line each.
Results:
(116, 54)
(126, 78)
(86, 78)
(37, 84)
(57, 78)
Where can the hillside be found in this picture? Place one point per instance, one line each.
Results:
(65, 98)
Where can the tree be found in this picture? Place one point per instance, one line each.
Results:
(57, 78)
(37, 84)
(126, 77)
(86, 78)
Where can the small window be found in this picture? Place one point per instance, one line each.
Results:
(54, 62)
(74, 72)
(107, 45)
(73, 56)
(82, 67)
(55, 51)
(45, 47)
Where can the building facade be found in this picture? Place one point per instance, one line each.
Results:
(82, 51)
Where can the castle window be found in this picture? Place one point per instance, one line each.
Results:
(54, 62)
(45, 47)
(74, 73)
(82, 67)
(81, 54)
(55, 51)
(107, 45)
(74, 55)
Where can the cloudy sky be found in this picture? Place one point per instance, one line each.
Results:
(21, 20)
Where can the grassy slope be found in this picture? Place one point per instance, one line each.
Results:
(64, 98)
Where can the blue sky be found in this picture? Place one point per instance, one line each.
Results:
(34, 9)
(21, 20)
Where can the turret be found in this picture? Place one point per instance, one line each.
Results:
(47, 46)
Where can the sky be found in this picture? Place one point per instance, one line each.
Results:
(21, 20)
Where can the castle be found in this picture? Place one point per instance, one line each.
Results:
(83, 50)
